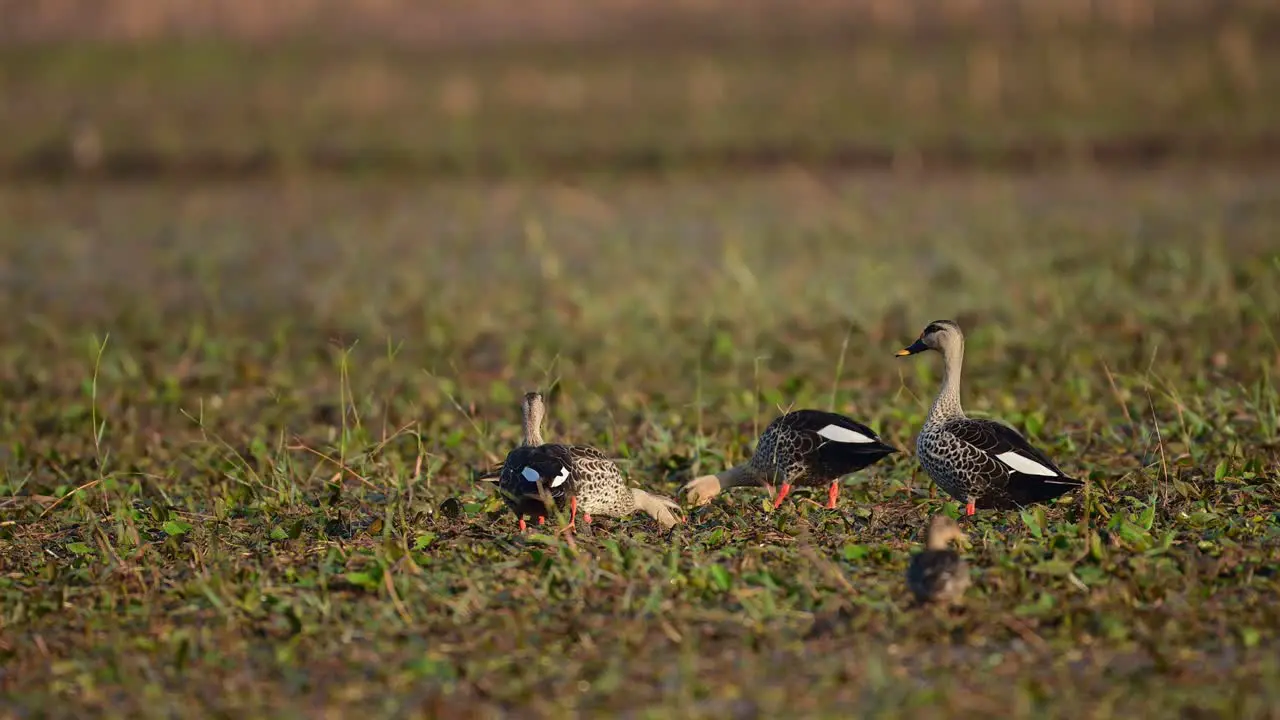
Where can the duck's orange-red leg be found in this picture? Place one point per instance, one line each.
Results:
(832, 495)
(523, 527)
(782, 495)
(573, 510)
(971, 507)
(542, 520)
(586, 517)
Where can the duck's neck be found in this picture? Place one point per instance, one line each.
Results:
(532, 431)
(947, 405)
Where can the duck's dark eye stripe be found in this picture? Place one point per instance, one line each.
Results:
(933, 328)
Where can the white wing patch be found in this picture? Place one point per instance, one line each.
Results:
(564, 475)
(1024, 464)
(534, 476)
(837, 433)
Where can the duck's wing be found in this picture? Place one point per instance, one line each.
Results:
(526, 467)
(594, 466)
(1005, 445)
(834, 440)
(831, 427)
(586, 452)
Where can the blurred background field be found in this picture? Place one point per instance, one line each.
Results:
(274, 275)
(207, 88)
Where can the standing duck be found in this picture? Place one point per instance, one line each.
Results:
(939, 574)
(981, 463)
(810, 448)
(581, 477)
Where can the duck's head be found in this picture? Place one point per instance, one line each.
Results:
(942, 530)
(940, 335)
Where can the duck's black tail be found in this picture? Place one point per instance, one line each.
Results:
(1027, 489)
(845, 458)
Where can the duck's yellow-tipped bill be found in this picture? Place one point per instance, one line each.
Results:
(912, 349)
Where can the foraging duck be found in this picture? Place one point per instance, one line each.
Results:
(982, 463)
(809, 448)
(581, 476)
(939, 574)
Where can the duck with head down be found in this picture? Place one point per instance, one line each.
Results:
(807, 448)
(537, 475)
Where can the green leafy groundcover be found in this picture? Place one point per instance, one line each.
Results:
(241, 420)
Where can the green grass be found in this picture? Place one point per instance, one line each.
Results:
(240, 420)
(185, 369)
